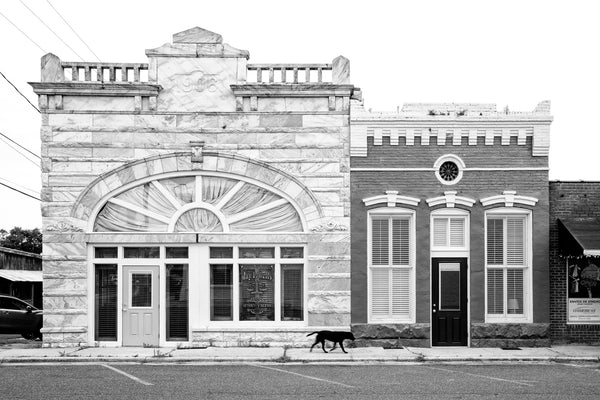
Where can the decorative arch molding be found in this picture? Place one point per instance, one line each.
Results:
(112, 183)
(391, 199)
(450, 200)
(509, 198)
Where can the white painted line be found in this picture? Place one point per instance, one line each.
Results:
(304, 376)
(480, 376)
(127, 375)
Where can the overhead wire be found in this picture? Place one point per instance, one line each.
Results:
(75, 32)
(18, 91)
(50, 29)
(24, 34)
(23, 193)
(18, 151)
(24, 148)
(20, 186)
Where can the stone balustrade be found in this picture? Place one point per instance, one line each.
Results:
(290, 73)
(104, 72)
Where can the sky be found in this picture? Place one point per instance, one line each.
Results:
(511, 53)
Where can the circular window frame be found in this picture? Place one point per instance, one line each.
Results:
(453, 159)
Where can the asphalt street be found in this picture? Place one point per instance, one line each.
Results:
(288, 381)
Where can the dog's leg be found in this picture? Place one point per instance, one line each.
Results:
(342, 346)
(314, 344)
(323, 345)
(334, 347)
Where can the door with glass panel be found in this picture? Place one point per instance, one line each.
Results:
(449, 302)
(140, 305)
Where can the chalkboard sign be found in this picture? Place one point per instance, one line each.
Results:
(257, 300)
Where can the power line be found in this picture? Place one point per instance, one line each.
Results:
(17, 190)
(24, 148)
(18, 151)
(20, 186)
(24, 34)
(76, 34)
(11, 84)
(50, 29)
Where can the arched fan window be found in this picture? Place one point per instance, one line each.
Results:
(199, 203)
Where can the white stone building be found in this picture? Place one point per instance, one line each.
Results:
(194, 200)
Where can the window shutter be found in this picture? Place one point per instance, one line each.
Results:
(495, 291)
(380, 242)
(515, 243)
(514, 291)
(495, 239)
(400, 292)
(440, 232)
(401, 242)
(457, 232)
(380, 293)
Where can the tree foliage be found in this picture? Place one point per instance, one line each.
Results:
(22, 239)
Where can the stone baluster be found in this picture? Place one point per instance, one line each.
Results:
(136, 74)
(295, 75)
(99, 73)
(258, 75)
(88, 73)
(271, 75)
(283, 73)
(320, 75)
(74, 73)
(123, 73)
(307, 77)
(112, 74)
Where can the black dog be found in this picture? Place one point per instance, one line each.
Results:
(335, 337)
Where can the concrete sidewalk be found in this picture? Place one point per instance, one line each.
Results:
(567, 353)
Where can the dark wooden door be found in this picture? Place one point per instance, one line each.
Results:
(449, 302)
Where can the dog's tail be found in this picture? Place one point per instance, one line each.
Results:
(310, 334)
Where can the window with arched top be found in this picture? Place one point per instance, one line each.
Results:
(198, 203)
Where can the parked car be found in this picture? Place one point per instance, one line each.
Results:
(17, 316)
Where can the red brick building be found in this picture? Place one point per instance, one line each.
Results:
(450, 226)
(574, 261)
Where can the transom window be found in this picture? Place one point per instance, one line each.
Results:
(391, 266)
(508, 266)
(198, 203)
(449, 232)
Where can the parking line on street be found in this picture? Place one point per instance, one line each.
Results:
(480, 376)
(304, 376)
(127, 375)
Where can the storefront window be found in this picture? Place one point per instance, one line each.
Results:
(583, 289)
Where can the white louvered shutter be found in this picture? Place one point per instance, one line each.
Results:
(495, 291)
(440, 232)
(380, 242)
(400, 242)
(380, 293)
(495, 241)
(400, 292)
(457, 232)
(515, 241)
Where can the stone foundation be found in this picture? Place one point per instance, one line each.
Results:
(510, 335)
(285, 337)
(391, 336)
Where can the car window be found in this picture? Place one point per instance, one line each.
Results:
(19, 305)
(8, 304)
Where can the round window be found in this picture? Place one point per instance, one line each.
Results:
(448, 171)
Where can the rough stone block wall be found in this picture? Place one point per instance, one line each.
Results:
(568, 200)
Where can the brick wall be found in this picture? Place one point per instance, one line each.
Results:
(568, 200)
